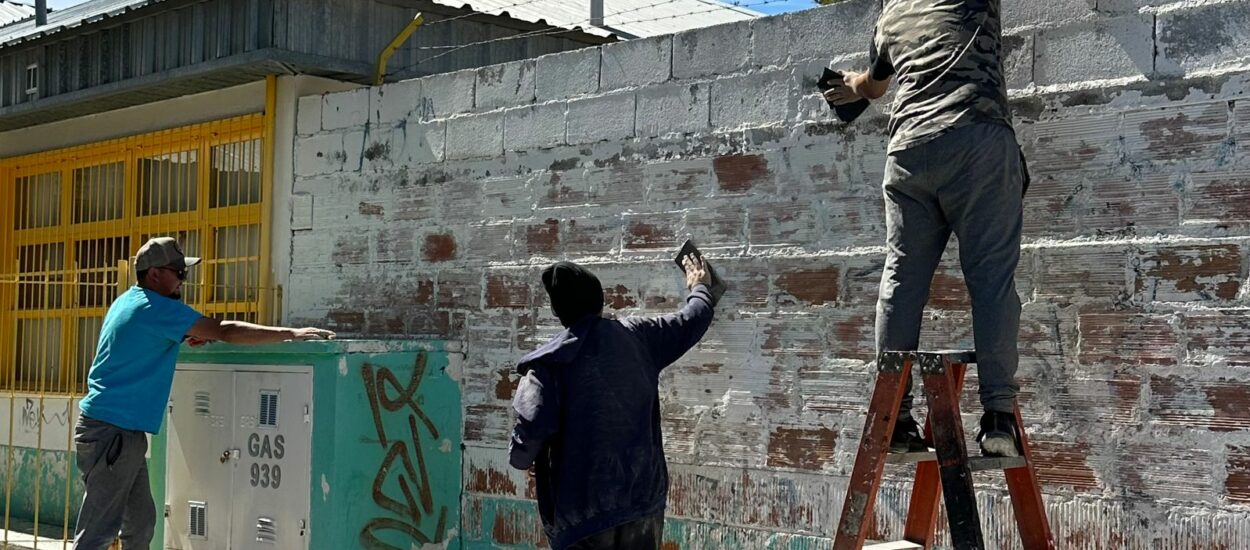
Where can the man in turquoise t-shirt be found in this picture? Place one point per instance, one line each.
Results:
(128, 387)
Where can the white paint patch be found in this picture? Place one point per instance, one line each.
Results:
(343, 366)
(445, 446)
(325, 488)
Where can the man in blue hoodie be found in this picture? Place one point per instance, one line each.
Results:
(588, 413)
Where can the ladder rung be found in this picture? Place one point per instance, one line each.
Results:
(975, 463)
(896, 545)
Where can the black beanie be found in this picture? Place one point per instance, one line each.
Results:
(575, 292)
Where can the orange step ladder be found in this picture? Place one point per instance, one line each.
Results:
(944, 473)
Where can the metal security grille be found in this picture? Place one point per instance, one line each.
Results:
(198, 515)
(79, 215)
(269, 409)
(71, 221)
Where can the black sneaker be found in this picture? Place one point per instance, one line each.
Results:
(906, 437)
(998, 436)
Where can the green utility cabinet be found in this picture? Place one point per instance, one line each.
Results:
(312, 445)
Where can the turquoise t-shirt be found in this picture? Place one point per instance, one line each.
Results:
(129, 382)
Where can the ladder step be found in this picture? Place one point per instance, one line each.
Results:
(897, 545)
(975, 463)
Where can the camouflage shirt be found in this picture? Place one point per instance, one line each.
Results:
(947, 55)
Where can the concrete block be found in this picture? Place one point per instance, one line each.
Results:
(568, 74)
(1124, 46)
(673, 108)
(355, 143)
(602, 118)
(392, 103)
(534, 126)
(1207, 37)
(319, 154)
(308, 115)
(720, 50)
(475, 136)
(382, 145)
(345, 109)
(1122, 7)
(301, 212)
(636, 62)
(825, 33)
(447, 94)
(760, 99)
(1045, 15)
(1018, 55)
(505, 85)
(424, 142)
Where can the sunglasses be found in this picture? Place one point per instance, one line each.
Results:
(180, 273)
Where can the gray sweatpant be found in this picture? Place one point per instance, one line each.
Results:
(118, 498)
(968, 180)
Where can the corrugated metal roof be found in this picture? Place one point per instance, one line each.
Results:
(12, 11)
(68, 18)
(625, 18)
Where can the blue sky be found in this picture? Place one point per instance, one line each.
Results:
(776, 7)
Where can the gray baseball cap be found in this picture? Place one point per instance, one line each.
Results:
(162, 252)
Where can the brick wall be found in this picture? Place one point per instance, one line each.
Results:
(429, 207)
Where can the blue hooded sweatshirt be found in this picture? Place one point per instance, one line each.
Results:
(588, 418)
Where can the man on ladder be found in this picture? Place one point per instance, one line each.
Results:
(953, 165)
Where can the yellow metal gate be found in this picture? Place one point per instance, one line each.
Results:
(70, 222)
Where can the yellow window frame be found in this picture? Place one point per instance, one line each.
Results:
(250, 139)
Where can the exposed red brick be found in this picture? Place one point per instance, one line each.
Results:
(490, 481)
(505, 291)
(439, 247)
(1221, 197)
(505, 387)
(1180, 132)
(619, 297)
(1237, 484)
(370, 209)
(1230, 401)
(1051, 205)
(394, 244)
(1127, 205)
(1221, 406)
(1064, 464)
(802, 448)
(1070, 273)
(1191, 273)
(350, 249)
(818, 287)
(562, 189)
(459, 289)
(1222, 335)
(516, 527)
(651, 234)
(543, 238)
(425, 291)
(1127, 338)
(738, 173)
(1114, 398)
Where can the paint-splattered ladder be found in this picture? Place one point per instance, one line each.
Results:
(948, 469)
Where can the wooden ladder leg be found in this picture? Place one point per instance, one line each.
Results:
(1026, 498)
(893, 368)
(926, 492)
(952, 453)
